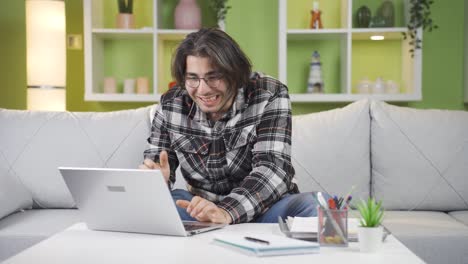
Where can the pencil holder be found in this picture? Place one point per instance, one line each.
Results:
(333, 227)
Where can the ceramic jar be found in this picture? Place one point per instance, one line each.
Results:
(379, 86)
(187, 15)
(125, 21)
(363, 17)
(364, 86)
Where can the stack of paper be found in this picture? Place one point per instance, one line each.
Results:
(310, 224)
(266, 245)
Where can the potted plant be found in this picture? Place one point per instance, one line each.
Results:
(370, 230)
(220, 8)
(125, 17)
(419, 17)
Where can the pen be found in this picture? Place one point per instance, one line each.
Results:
(256, 240)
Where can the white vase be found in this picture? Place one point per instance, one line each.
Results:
(187, 15)
(222, 24)
(370, 238)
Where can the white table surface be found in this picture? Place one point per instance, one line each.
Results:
(77, 244)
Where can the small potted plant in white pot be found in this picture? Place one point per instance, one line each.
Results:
(370, 230)
(125, 17)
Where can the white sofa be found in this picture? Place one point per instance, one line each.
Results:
(415, 160)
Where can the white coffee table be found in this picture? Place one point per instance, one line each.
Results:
(77, 244)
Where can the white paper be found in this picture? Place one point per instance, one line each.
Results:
(310, 224)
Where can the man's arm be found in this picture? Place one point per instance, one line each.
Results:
(272, 170)
(159, 141)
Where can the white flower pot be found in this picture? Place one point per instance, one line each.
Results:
(370, 238)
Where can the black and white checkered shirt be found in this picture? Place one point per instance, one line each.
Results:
(242, 162)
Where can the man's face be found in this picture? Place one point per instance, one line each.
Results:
(214, 98)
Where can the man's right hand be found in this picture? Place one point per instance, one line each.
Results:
(149, 164)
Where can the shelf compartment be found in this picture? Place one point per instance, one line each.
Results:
(369, 61)
(334, 13)
(400, 10)
(166, 48)
(121, 59)
(104, 13)
(388, 33)
(298, 64)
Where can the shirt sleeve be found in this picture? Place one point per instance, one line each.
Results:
(272, 171)
(159, 140)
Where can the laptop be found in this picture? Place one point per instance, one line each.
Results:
(128, 200)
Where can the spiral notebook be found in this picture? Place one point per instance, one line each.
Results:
(265, 244)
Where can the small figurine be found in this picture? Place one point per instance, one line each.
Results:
(316, 21)
(315, 82)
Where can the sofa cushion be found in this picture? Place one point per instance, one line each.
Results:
(13, 195)
(461, 216)
(36, 143)
(24, 229)
(419, 157)
(330, 150)
(434, 236)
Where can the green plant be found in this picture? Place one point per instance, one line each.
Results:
(125, 6)
(420, 17)
(220, 7)
(371, 212)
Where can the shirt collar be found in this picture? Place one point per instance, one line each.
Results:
(201, 117)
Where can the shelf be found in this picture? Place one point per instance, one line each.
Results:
(310, 34)
(112, 33)
(173, 34)
(115, 54)
(305, 98)
(347, 54)
(122, 97)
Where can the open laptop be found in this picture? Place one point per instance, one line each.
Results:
(128, 200)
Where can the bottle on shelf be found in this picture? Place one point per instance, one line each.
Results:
(315, 82)
(379, 86)
(187, 15)
(316, 20)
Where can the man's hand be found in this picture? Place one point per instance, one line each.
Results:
(205, 211)
(149, 164)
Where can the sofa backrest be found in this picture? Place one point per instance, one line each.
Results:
(419, 158)
(330, 150)
(33, 144)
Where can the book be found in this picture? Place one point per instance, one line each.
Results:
(265, 244)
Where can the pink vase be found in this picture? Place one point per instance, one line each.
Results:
(187, 15)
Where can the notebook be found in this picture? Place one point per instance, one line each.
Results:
(128, 200)
(265, 244)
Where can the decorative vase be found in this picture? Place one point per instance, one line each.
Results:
(363, 17)
(370, 238)
(125, 20)
(187, 15)
(387, 12)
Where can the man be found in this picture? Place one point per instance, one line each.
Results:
(230, 131)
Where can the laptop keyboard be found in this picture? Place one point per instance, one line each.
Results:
(194, 226)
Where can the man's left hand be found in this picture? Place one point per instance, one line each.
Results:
(205, 211)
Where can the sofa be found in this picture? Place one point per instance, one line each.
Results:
(415, 161)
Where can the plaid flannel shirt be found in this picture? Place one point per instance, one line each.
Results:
(242, 162)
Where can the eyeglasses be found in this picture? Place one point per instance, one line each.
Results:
(211, 81)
